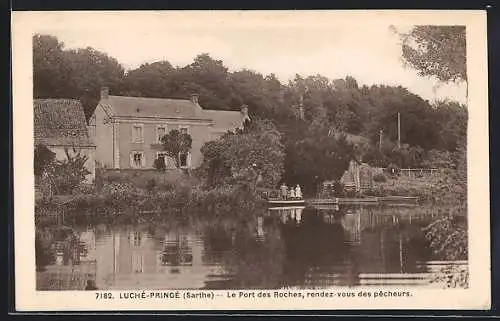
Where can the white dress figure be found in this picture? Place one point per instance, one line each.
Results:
(292, 192)
(298, 192)
(298, 215)
(284, 190)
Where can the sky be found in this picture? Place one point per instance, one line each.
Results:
(369, 52)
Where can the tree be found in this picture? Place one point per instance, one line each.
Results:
(452, 120)
(438, 51)
(155, 79)
(76, 73)
(315, 158)
(418, 122)
(51, 70)
(90, 71)
(240, 157)
(176, 143)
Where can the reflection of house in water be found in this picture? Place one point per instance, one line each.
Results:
(74, 261)
(133, 259)
(351, 221)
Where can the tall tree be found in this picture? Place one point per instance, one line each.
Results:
(51, 70)
(316, 157)
(438, 51)
(155, 79)
(243, 155)
(76, 73)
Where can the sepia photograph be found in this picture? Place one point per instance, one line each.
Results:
(211, 152)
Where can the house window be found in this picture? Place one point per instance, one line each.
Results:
(137, 239)
(162, 156)
(137, 133)
(137, 160)
(161, 131)
(185, 160)
(184, 129)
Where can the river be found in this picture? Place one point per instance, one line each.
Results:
(297, 247)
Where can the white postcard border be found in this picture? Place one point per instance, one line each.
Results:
(477, 296)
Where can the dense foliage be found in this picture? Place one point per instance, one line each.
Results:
(245, 156)
(438, 51)
(346, 105)
(313, 156)
(309, 113)
(175, 143)
(64, 176)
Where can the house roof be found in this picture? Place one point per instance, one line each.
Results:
(224, 120)
(123, 106)
(60, 122)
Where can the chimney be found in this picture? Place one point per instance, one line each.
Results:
(104, 93)
(194, 99)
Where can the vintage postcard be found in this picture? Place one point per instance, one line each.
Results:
(257, 160)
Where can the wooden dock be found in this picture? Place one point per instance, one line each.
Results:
(364, 200)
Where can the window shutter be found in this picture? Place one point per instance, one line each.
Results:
(132, 160)
(143, 160)
(133, 134)
(188, 160)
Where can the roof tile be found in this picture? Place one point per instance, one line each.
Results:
(60, 122)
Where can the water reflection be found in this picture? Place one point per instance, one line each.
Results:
(284, 247)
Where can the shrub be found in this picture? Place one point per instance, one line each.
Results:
(69, 173)
(448, 238)
(379, 178)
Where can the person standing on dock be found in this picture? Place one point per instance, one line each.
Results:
(298, 192)
(284, 191)
(292, 192)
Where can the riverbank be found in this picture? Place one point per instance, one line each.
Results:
(441, 188)
(122, 203)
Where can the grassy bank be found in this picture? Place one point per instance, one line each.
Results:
(118, 203)
(442, 188)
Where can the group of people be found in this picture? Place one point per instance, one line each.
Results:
(292, 193)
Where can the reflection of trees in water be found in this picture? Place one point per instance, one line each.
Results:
(318, 242)
(394, 247)
(216, 241)
(254, 262)
(43, 254)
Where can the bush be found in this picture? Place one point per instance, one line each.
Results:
(379, 178)
(69, 173)
(448, 238)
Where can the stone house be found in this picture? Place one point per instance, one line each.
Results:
(59, 124)
(128, 130)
